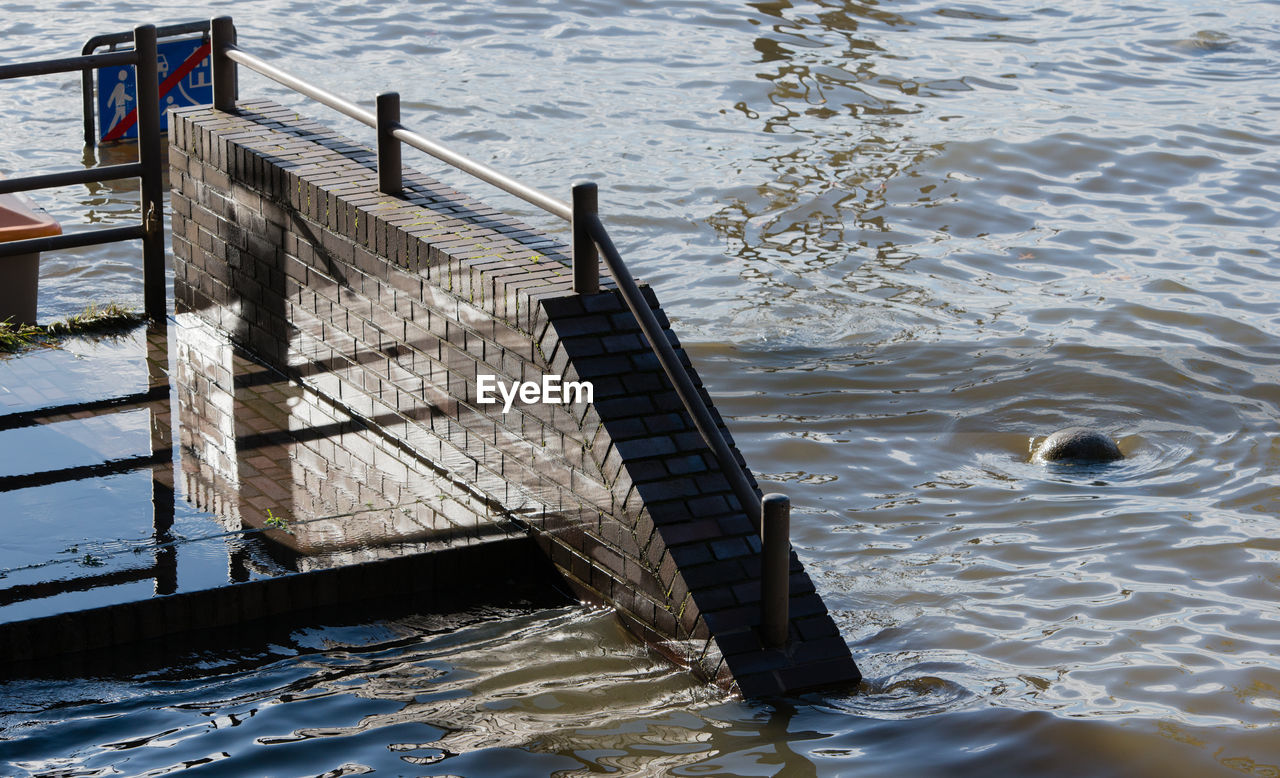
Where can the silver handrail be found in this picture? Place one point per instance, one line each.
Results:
(478, 169)
(679, 377)
(298, 85)
(487, 174)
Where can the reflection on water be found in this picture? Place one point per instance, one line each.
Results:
(86, 479)
(87, 461)
(901, 241)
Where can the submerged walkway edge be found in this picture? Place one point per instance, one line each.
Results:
(134, 633)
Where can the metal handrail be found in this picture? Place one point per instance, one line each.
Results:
(400, 132)
(675, 371)
(147, 168)
(487, 174)
(589, 232)
(298, 85)
(73, 240)
(151, 230)
(46, 67)
(93, 175)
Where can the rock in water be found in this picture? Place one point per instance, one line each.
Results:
(1077, 446)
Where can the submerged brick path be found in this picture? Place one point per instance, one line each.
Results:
(112, 557)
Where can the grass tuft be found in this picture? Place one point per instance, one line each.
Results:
(106, 318)
(94, 319)
(15, 337)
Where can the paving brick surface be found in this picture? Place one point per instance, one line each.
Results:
(393, 307)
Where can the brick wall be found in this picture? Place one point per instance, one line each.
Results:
(392, 306)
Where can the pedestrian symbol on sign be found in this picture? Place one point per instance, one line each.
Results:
(120, 98)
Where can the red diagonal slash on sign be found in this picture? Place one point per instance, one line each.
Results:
(186, 67)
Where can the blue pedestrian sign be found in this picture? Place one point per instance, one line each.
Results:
(186, 78)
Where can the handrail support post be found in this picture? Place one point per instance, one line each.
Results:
(586, 263)
(775, 572)
(222, 36)
(389, 164)
(151, 188)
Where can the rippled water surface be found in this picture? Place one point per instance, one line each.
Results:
(901, 241)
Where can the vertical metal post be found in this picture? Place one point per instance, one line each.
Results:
(389, 165)
(775, 573)
(222, 35)
(86, 98)
(152, 187)
(586, 263)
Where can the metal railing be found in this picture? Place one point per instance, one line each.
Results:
(771, 519)
(589, 233)
(147, 168)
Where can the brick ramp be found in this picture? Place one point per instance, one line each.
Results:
(393, 306)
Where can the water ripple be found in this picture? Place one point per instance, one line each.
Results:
(901, 243)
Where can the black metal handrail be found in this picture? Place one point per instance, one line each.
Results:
(588, 231)
(93, 175)
(147, 168)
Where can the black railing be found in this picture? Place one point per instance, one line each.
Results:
(147, 168)
(163, 568)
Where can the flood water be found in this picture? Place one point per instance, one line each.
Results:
(900, 241)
